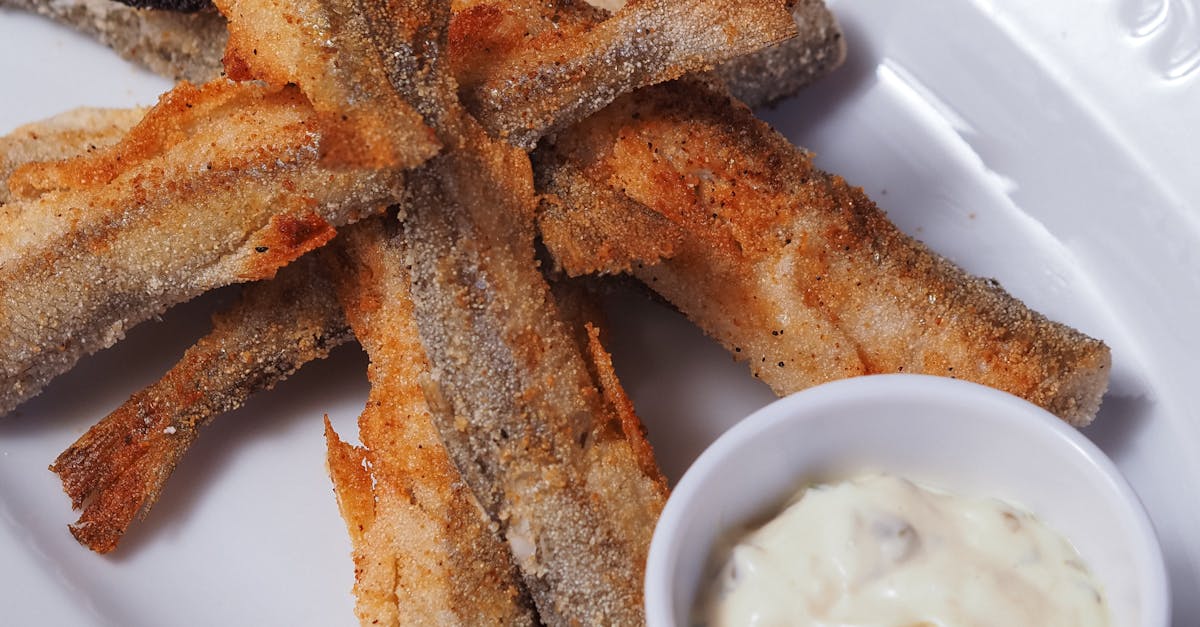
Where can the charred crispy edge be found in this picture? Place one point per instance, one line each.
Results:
(351, 483)
(622, 407)
(117, 470)
(174, 45)
(1046, 362)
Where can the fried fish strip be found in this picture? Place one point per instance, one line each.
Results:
(557, 78)
(234, 174)
(521, 415)
(246, 176)
(425, 552)
(778, 71)
(117, 469)
(175, 45)
(793, 270)
(509, 388)
(284, 42)
(190, 46)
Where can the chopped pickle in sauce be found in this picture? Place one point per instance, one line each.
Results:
(882, 551)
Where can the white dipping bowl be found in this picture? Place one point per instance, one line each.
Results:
(958, 436)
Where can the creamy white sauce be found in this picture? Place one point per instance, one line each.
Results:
(882, 551)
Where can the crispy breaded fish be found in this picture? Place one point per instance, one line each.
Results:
(190, 46)
(793, 270)
(367, 121)
(521, 415)
(778, 71)
(425, 552)
(117, 469)
(510, 390)
(176, 45)
(217, 185)
(540, 85)
(111, 474)
(244, 177)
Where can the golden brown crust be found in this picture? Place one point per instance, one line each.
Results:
(65, 135)
(332, 50)
(428, 554)
(190, 47)
(348, 469)
(233, 171)
(542, 83)
(116, 470)
(800, 274)
(587, 236)
(249, 176)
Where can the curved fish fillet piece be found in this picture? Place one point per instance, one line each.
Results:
(514, 400)
(425, 552)
(796, 272)
(65, 135)
(217, 185)
(117, 469)
(175, 45)
(509, 387)
(555, 79)
(780, 70)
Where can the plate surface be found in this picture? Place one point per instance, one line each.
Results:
(1051, 147)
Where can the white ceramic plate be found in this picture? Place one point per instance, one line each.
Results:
(1049, 145)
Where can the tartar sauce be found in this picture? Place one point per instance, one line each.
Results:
(883, 551)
